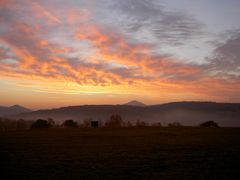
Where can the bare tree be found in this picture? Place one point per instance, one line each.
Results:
(114, 121)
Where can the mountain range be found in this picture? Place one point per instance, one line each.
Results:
(186, 113)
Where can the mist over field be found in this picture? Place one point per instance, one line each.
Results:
(186, 113)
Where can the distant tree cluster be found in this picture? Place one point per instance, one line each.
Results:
(175, 124)
(7, 124)
(209, 124)
(41, 123)
(114, 121)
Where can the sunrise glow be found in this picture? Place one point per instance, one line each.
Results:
(56, 53)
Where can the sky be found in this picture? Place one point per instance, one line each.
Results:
(56, 53)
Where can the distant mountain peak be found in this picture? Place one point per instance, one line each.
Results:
(12, 110)
(16, 106)
(19, 107)
(135, 103)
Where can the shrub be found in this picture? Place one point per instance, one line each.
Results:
(70, 123)
(40, 123)
(209, 124)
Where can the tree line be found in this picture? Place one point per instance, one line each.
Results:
(114, 121)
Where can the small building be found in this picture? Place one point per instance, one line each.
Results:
(94, 124)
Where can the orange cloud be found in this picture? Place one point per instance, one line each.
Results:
(113, 47)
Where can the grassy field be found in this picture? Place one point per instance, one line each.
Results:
(127, 153)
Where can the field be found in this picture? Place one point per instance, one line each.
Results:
(125, 153)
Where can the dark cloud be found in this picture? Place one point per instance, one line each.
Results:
(225, 60)
(5, 52)
(151, 19)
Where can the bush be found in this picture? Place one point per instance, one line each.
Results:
(40, 123)
(70, 123)
(114, 121)
(209, 124)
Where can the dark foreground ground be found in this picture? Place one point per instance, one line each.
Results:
(129, 153)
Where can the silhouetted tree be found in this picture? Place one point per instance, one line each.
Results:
(141, 123)
(209, 124)
(12, 124)
(129, 124)
(175, 124)
(1, 124)
(114, 121)
(8, 124)
(22, 124)
(94, 124)
(51, 122)
(40, 123)
(70, 123)
(86, 122)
